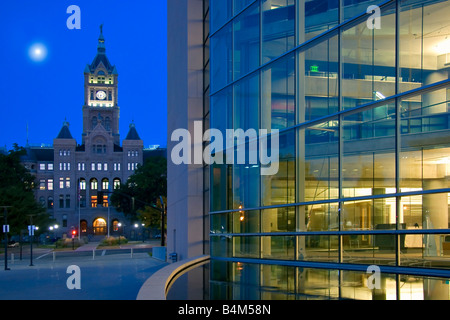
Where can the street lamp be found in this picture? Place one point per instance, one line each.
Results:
(5, 231)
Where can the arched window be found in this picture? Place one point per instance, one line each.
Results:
(82, 184)
(105, 184)
(50, 203)
(83, 226)
(42, 201)
(94, 184)
(116, 183)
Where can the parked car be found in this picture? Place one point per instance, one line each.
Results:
(13, 244)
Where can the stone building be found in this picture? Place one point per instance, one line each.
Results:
(75, 180)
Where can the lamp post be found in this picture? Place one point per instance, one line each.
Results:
(31, 234)
(162, 221)
(118, 229)
(5, 231)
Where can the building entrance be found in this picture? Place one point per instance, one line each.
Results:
(100, 227)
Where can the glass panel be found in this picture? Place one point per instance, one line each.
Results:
(246, 104)
(221, 58)
(221, 246)
(246, 221)
(318, 88)
(318, 16)
(221, 119)
(278, 220)
(368, 56)
(278, 95)
(423, 288)
(277, 27)
(317, 158)
(424, 43)
(246, 41)
(320, 248)
(277, 282)
(425, 152)
(240, 4)
(220, 13)
(376, 214)
(317, 283)
(369, 152)
(280, 187)
(246, 247)
(354, 286)
(278, 247)
(426, 250)
(319, 217)
(369, 249)
(220, 223)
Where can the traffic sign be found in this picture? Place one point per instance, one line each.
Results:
(31, 230)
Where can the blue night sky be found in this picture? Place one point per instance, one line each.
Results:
(43, 94)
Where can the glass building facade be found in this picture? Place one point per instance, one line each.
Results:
(360, 92)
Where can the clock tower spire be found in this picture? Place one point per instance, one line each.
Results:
(101, 95)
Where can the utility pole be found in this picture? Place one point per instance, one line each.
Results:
(5, 231)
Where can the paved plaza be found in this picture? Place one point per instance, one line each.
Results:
(104, 274)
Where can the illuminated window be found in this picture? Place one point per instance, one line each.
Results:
(94, 184)
(82, 184)
(105, 184)
(50, 184)
(116, 183)
(42, 184)
(93, 201)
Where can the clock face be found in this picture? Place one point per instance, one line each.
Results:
(101, 95)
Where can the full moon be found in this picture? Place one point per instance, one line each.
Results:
(37, 52)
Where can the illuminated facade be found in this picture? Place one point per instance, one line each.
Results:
(75, 180)
(362, 105)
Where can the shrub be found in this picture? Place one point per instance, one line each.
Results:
(113, 241)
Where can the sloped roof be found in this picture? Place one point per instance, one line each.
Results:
(65, 132)
(101, 57)
(132, 134)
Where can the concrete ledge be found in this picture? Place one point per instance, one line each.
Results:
(155, 288)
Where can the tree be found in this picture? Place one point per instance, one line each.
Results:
(17, 187)
(143, 188)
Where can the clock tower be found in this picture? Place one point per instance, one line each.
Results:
(101, 110)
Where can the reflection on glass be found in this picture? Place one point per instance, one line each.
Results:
(278, 103)
(368, 55)
(246, 42)
(278, 24)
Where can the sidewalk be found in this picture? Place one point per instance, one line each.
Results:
(88, 247)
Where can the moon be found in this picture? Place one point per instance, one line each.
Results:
(38, 52)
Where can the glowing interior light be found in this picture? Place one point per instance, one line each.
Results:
(443, 47)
